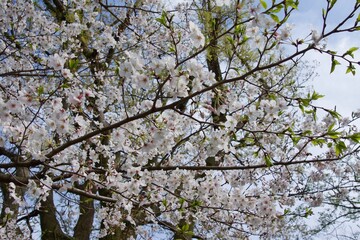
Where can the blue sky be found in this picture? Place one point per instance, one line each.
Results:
(340, 90)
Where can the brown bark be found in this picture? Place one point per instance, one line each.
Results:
(8, 202)
(213, 63)
(50, 226)
(84, 224)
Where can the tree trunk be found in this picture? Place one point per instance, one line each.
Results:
(84, 224)
(50, 226)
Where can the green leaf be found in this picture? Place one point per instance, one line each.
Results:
(331, 127)
(355, 137)
(40, 90)
(277, 9)
(65, 85)
(307, 133)
(275, 18)
(185, 227)
(295, 139)
(181, 201)
(334, 63)
(73, 64)
(331, 52)
(85, 37)
(305, 101)
(240, 29)
(263, 4)
(172, 49)
(292, 3)
(318, 142)
(302, 108)
(316, 96)
(333, 113)
(230, 40)
(162, 19)
(333, 134)
(332, 3)
(70, 17)
(351, 69)
(268, 161)
(351, 51)
(339, 148)
(308, 212)
(195, 203)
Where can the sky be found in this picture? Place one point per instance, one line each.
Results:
(340, 89)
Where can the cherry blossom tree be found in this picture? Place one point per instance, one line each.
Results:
(129, 120)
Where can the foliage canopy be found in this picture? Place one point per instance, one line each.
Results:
(127, 120)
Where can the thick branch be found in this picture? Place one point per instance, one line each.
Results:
(21, 181)
(224, 168)
(6, 153)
